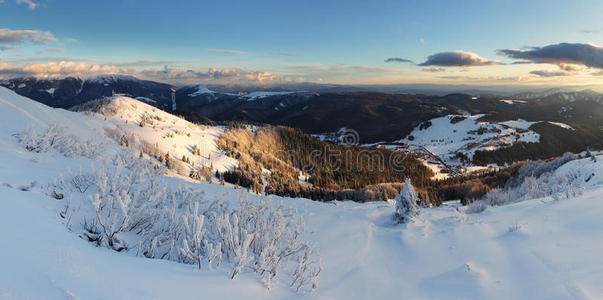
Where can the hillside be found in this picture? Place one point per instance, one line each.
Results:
(378, 118)
(543, 248)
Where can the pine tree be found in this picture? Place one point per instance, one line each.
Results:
(406, 203)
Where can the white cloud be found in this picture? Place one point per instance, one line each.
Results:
(31, 4)
(35, 37)
(60, 69)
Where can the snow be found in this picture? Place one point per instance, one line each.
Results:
(200, 91)
(519, 123)
(111, 78)
(536, 249)
(444, 138)
(512, 101)
(261, 94)
(145, 99)
(22, 85)
(562, 125)
(171, 134)
(50, 91)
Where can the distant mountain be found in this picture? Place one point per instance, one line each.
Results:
(376, 117)
(70, 91)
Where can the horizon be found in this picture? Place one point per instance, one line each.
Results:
(265, 44)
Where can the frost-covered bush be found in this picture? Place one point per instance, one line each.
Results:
(535, 181)
(264, 238)
(474, 207)
(406, 203)
(55, 137)
(539, 168)
(126, 207)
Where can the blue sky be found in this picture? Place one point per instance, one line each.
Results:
(318, 41)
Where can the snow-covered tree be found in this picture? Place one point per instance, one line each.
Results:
(406, 203)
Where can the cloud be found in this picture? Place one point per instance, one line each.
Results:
(31, 4)
(433, 70)
(45, 59)
(60, 69)
(590, 30)
(145, 63)
(488, 78)
(213, 75)
(171, 75)
(288, 54)
(545, 73)
(35, 37)
(600, 73)
(224, 51)
(568, 68)
(55, 49)
(559, 54)
(7, 48)
(398, 60)
(456, 58)
(422, 41)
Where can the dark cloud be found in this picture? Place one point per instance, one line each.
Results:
(559, 54)
(544, 73)
(398, 60)
(457, 59)
(433, 70)
(568, 68)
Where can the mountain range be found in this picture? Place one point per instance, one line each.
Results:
(378, 118)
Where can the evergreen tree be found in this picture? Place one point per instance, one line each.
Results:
(406, 203)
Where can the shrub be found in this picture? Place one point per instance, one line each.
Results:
(132, 209)
(537, 180)
(55, 137)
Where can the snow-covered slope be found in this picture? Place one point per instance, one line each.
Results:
(171, 134)
(262, 94)
(465, 134)
(536, 249)
(200, 91)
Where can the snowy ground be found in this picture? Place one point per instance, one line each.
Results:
(444, 138)
(537, 249)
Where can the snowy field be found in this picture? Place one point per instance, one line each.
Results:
(535, 249)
